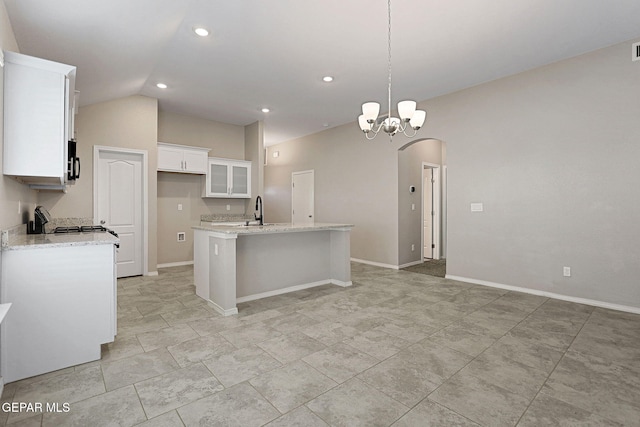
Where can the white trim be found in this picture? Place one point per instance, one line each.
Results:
(409, 264)
(578, 300)
(376, 264)
(145, 196)
(292, 289)
(174, 264)
(341, 283)
(221, 310)
(436, 219)
(1, 379)
(313, 192)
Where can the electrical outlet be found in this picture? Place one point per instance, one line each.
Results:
(179, 206)
(182, 236)
(413, 206)
(413, 248)
(566, 271)
(228, 207)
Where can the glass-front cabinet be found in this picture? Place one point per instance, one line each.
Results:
(228, 178)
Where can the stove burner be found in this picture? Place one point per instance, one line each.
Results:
(73, 229)
(81, 229)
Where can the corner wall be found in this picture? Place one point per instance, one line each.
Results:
(553, 155)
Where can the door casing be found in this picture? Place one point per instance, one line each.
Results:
(143, 155)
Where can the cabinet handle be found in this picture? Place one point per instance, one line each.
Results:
(185, 165)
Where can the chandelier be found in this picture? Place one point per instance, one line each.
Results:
(410, 118)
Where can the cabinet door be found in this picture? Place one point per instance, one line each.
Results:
(195, 161)
(240, 180)
(170, 159)
(218, 180)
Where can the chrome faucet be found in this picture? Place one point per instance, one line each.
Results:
(259, 218)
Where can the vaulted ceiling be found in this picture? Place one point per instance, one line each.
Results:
(274, 53)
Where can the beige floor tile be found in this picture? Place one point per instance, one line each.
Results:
(355, 404)
(241, 365)
(118, 407)
(238, 406)
(122, 347)
(294, 346)
(176, 388)
(165, 337)
(480, 401)
(170, 419)
(340, 362)
(199, 349)
(431, 414)
(292, 385)
(377, 343)
(301, 417)
(546, 411)
(250, 334)
(133, 369)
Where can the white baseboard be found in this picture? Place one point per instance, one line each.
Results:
(578, 300)
(221, 310)
(292, 289)
(174, 264)
(1, 386)
(409, 264)
(151, 273)
(376, 264)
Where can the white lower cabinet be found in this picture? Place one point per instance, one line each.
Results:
(63, 308)
(228, 178)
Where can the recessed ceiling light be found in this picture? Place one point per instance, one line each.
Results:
(161, 85)
(202, 32)
(265, 110)
(327, 79)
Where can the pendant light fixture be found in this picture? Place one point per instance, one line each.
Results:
(410, 118)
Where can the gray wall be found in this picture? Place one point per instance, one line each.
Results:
(552, 153)
(356, 182)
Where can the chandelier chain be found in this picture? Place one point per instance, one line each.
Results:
(389, 47)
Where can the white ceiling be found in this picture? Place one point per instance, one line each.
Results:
(274, 53)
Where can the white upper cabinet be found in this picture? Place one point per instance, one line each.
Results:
(228, 178)
(182, 158)
(38, 120)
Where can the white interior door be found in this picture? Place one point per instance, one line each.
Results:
(119, 198)
(427, 210)
(302, 198)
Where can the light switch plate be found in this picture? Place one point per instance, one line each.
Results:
(477, 207)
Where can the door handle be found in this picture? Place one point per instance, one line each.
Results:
(102, 222)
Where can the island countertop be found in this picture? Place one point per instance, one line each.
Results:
(270, 228)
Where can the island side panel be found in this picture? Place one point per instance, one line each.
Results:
(201, 263)
(341, 257)
(222, 273)
(267, 263)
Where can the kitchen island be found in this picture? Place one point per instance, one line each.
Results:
(238, 263)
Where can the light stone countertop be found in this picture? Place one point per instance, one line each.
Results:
(35, 241)
(270, 228)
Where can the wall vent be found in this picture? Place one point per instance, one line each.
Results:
(635, 52)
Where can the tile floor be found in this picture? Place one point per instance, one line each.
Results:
(397, 348)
